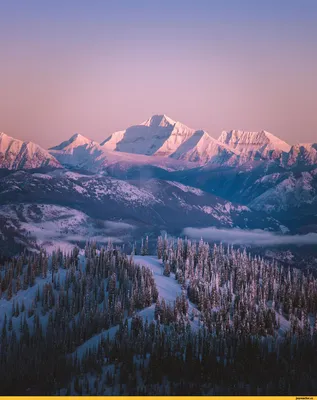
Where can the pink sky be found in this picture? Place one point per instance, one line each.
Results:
(95, 70)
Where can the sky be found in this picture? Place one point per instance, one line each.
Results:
(95, 67)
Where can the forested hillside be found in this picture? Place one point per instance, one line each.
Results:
(193, 320)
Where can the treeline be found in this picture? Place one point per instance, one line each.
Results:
(234, 290)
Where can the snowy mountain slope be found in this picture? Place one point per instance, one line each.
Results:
(169, 145)
(80, 152)
(52, 226)
(49, 225)
(179, 203)
(244, 180)
(129, 160)
(289, 195)
(202, 148)
(13, 237)
(254, 144)
(179, 135)
(16, 154)
(286, 192)
(149, 205)
(303, 154)
(168, 289)
(159, 135)
(77, 151)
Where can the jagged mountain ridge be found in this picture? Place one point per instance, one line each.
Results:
(16, 154)
(254, 144)
(162, 136)
(202, 148)
(159, 138)
(302, 154)
(78, 151)
(158, 135)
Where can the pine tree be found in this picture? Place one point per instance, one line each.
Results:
(146, 246)
(167, 269)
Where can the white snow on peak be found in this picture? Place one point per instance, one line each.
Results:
(16, 154)
(186, 189)
(306, 146)
(75, 141)
(111, 142)
(302, 153)
(179, 135)
(164, 137)
(261, 142)
(203, 148)
(158, 135)
(78, 151)
(159, 120)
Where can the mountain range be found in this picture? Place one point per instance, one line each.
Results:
(158, 175)
(158, 138)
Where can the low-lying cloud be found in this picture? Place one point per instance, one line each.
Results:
(118, 225)
(98, 239)
(256, 237)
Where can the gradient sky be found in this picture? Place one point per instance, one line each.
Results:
(94, 67)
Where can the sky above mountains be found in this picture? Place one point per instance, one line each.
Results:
(99, 67)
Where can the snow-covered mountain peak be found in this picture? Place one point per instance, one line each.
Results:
(77, 151)
(16, 154)
(77, 137)
(158, 135)
(250, 143)
(162, 136)
(74, 141)
(202, 148)
(301, 153)
(158, 120)
(306, 146)
(6, 139)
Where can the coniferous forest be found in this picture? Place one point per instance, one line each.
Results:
(96, 322)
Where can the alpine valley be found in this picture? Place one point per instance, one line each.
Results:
(158, 176)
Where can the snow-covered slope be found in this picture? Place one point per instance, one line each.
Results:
(254, 144)
(84, 153)
(285, 192)
(78, 151)
(53, 226)
(301, 154)
(150, 205)
(158, 135)
(95, 161)
(16, 154)
(203, 149)
(161, 136)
